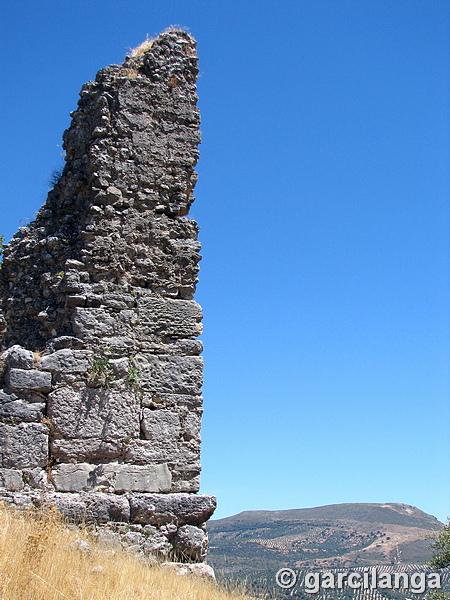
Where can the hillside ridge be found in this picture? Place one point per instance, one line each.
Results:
(344, 511)
(331, 536)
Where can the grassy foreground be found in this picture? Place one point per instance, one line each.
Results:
(40, 560)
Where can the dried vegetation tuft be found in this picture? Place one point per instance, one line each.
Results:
(43, 558)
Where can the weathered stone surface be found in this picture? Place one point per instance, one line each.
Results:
(72, 477)
(90, 506)
(191, 425)
(188, 347)
(23, 499)
(98, 322)
(23, 446)
(171, 374)
(161, 426)
(120, 366)
(191, 542)
(21, 379)
(94, 413)
(113, 477)
(157, 544)
(64, 341)
(171, 508)
(36, 478)
(87, 449)
(174, 318)
(185, 480)
(146, 451)
(67, 361)
(11, 479)
(17, 410)
(154, 478)
(18, 357)
(133, 539)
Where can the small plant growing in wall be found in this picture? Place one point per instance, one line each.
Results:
(134, 378)
(101, 373)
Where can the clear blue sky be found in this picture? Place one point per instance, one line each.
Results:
(323, 201)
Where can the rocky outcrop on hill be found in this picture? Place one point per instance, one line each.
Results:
(101, 405)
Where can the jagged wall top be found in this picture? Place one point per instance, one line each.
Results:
(114, 220)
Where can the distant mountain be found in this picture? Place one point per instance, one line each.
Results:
(338, 535)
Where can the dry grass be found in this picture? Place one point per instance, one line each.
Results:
(148, 42)
(39, 560)
(142, 48)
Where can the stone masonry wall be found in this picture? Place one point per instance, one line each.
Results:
(101, 377)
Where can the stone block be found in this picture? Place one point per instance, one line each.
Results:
(66, 361)
(144, 452)
(74, 264)
(120, 366)
(182, 509)
(94, 413)
(174, 318)
(65, 341)
(189, 347)
(17, 410)
(90, 506)
(17, 357)
(23, 446)
(101, 322)
(115, 477)
(160, 426)
(191, 543)
(72, 477)
(157, 544)
(185, 480)
(87, 449)
(170, 374)
(152, 478)
(133, 538)
(11, 479)
(94, 321)
(22, 379)
(191, 425)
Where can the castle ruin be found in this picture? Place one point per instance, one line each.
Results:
(100, 401)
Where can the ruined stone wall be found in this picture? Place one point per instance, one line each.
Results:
(101, 404)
